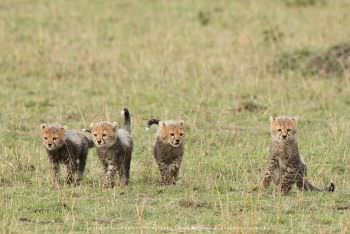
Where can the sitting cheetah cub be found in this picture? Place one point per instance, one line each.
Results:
(66, 146)
(114, 148)
(168, 148)
(285, 166)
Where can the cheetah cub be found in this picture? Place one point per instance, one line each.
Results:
(168, 148)
(285, 166)
(69, 147)
(114, 148)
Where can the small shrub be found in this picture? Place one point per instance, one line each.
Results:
(204, 18)
(334, 61)
(272, 34)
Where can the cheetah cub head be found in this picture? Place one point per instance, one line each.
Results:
(283, 128)
(104, 133)
(52, 136)
(172, 132)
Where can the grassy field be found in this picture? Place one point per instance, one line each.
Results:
(206, 62)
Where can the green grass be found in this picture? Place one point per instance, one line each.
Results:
(74, 62)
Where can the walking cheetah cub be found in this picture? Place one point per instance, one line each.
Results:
(69, 147)
(114, 148)
(168, 148)
(285, 166)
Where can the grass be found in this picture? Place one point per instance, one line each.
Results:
(74, 62)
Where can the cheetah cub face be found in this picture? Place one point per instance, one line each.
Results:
(172, 132)
(52, 136)
(283, 128)
(104, 133)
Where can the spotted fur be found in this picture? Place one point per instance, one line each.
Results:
(285, 166)
(114, 148)
(69, 147)
(168, 149)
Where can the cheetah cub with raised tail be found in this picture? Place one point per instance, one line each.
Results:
(114, 148)
(285, 166)
(69, 147)
(168, 148)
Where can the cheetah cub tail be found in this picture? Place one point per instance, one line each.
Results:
(127, 120)
(330, 187)
(151, 122)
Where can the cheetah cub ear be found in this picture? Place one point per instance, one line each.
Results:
(272, 118)
(91, 125)
(42, 126)
(88, 130)
(181, 122)
(115, 126)
(295, 118)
